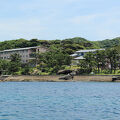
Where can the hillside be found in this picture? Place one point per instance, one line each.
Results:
(69, 45)
(108, 43)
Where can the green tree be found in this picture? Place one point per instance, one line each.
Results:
(25, 69)
(15, 63)
(4, 66)
(100, 59)
(54, 60)
(112, 58)
(90, 60)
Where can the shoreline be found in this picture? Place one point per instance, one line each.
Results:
(55, 78)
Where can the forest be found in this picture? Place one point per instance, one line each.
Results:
(58, 57)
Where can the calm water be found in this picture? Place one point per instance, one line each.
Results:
(59, 101)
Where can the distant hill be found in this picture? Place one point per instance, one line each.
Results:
(108, 43)
(69, 45)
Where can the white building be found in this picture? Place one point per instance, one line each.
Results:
(25, 53)
(79, 55)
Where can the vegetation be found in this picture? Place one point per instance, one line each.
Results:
(49, 62)
(53, 61)
(105, 61)
(70, 44)
(58, 58)
(108, 43)
(12, 66)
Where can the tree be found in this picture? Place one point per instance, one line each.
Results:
(88, 64)
(100, 59)
(4, 65)
(112, 57)
(90, 60)
(15, 63)
(25, 69)
(15, 58)
(34, 42)
(54, 60)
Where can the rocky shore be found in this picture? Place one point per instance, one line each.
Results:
(55, 78)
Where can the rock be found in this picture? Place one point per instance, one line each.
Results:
(66, 77)
(64, 71)
(114, 78)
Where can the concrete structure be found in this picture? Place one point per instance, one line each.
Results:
(26, 53)
(79, 55)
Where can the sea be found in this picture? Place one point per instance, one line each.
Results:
(59, 101)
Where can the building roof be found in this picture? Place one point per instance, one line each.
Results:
(73, 55)
(79, 58)
(17, 49)
(90, 50)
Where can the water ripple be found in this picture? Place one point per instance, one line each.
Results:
(59, 101)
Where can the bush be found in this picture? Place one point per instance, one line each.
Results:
(106, 71)
(25, 71)
(84, 71)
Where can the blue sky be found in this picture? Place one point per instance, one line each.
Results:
(59, 19)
